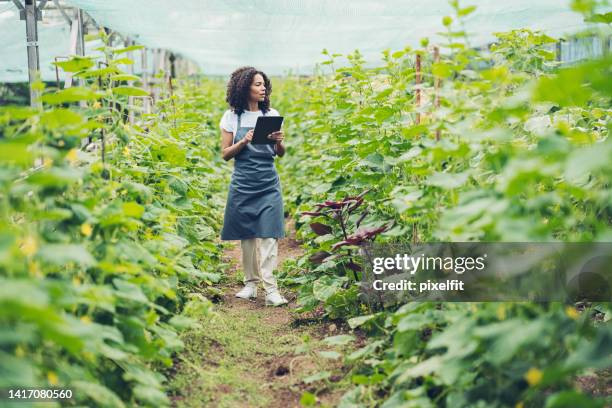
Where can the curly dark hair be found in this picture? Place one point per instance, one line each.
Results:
(239, 88)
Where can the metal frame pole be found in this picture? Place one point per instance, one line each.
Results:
(80, 48)
(32, 47)
(71, 51)
(80, 45)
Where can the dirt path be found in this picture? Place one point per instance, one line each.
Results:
(250, 355)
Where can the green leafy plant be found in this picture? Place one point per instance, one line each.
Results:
(104, 252)
(502, 144)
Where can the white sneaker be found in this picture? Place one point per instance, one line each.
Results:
(249, 291)
(275, 299)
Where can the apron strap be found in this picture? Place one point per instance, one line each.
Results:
(238, 126)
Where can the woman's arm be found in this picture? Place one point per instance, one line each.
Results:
(279, 147)
(229, 150)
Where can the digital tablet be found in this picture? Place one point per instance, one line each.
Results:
(264, 126)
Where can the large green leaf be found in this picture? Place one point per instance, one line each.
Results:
(572, 399)
(322, 375)
(325, 287)
(61, 254)
(102, 396)
(129, 49)
(15, 153)
(75, 64)
(125, 77)
(129, 91)
(447, 180)
(60, 118)
(339, 340)
(55, 177)
(16, 372)
(129, 291)
(359, 320)
(69, 95)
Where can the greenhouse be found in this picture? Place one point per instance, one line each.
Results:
(280, 203)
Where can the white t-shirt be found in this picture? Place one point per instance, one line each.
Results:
(229, 121)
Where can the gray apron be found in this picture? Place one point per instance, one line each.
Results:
(254, 206)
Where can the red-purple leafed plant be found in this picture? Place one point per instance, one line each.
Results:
(339, 212)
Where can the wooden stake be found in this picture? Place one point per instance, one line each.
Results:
(418, 91)
(128, 42)
(145, 79)
(415, 228)
(437, 86)
(171, 88)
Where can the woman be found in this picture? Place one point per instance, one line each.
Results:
(254, 210)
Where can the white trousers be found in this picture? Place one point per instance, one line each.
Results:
(259, 256)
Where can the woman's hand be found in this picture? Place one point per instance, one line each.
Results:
(277, 136)
(279, 148)
(247, 137)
